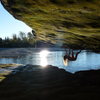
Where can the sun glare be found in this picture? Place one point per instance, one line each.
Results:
(43, 58)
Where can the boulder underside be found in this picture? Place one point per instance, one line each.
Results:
(75, 23)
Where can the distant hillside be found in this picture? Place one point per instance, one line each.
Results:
(72, 22)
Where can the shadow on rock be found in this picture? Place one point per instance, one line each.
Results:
(36, 83)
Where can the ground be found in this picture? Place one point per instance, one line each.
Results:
(51, 83)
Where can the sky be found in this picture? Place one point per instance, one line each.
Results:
(9, 25)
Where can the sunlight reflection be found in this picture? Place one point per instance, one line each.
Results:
(43, 58)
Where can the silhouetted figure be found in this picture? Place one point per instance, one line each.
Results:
(71, 56)
(35, 37)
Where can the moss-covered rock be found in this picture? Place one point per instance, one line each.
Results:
(73, 22)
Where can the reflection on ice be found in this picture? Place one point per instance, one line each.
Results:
(70, 55)
(65, 62)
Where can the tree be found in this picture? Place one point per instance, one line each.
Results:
(22, 35)
(14, 37)
(30, 38)
(0, 40)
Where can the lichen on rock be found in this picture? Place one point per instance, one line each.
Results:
(71, 22)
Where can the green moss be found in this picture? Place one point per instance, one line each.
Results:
(5, 73)
(80, 17)
(8, 65)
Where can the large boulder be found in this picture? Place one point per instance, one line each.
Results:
(71, 22)
(50, 83)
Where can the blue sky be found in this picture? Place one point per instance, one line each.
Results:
(9, 25)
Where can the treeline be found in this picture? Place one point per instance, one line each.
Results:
(21, 40)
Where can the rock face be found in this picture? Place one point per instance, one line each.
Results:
(73, 22)
(51, 83)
